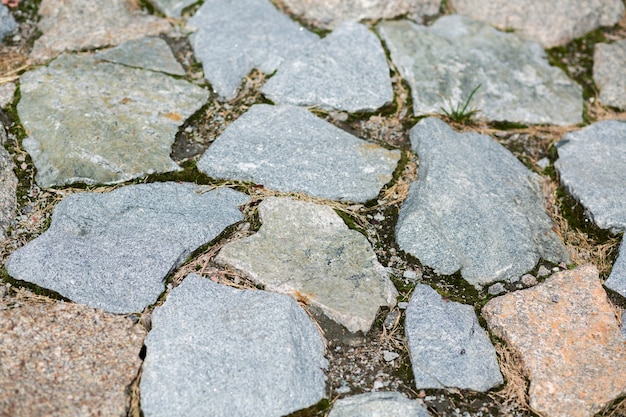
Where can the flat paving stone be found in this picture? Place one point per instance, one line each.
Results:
(288, 149)
(8, 188)
(347, 70)
(609, 73)
(474, 208)
(7, 22)
(443, 63)
(7, 93)
(305, 250)
(447, 346)
(113, 250)
(617, 279)
(569, 341)
(64, 359)
(219, 351)
(97, 122)
(233, 37)
(378, 404)
(172, 8)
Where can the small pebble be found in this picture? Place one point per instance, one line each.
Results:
(390, 356)
(411, 275)
(391, 319)
(543, 163)
(402, 305)
(529, 280)
(497, 288)
(543, 272)
(378, 384)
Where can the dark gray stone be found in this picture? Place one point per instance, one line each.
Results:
(617, 279)
(347, 70)
(378, 404)
(218, 351)
(497, 288)
(448, 348)
(7, 22)
(475, 208)
(288, 149)
(609, 73)
(113, 250)
(8, 187)
(172, 8)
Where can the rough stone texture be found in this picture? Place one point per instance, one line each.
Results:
(444, 62)
(7, 22)
(172, 8)
(7, 92)
(551, 23)
(609, 73)
(448, 347)
(288, 149)
(305, 250)
(8, 187)
(149, 53)
(328, 14)
(347, 70)
(113, 250)
(97, 122)
(233, 37)
(215, 350)
(475, 208)
(617, 279)
(569, 341)
(65, 26)
(378, 404)
(592, 167)
(65, 359)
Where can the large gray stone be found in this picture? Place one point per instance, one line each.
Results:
(7, 22)
(448, 347)
(8, 187)
(378, 404)
(218, 351)
(475, 208)
(444, 62)
(617, 279)
(551, 23)
(592, 167)
(347, 70)
(97, 122)
(233, 37)
(172, 8)
(288, 149)
(609, 73)
(305, 250)
(113, 250)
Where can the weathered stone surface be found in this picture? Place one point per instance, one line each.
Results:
(475, 208)
(551, 23)
(97, 122)
(289, 149)
(592, 166)
(448, 347)
(444, 62)
(7, 22)
(172, 8)
(569, 341)
(7, 92)
(347, 70)
(215, 350)
(63, 359)
(8, 187)
(149, 53)
(609, 73)
(233, 37)
(617, 279)
(113, 250)
(378, 404)
(66, 27)
(305, 250)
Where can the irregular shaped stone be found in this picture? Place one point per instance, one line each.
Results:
(568, 339)
(475, 208)
(113, 250)
(592, 167)
(66, 28)
(233, 37)
(347, 70)
(97, 122)
(448, 347)
(378, 404)
(172, 8)
(149, 53)
(215, 350)
(551, 23)
(64, 359)
(7, 22)
(288, 149)
(8, 188)
(7, 92)
(305, 250)
(617, 279)
(445, 62)
(609, 73)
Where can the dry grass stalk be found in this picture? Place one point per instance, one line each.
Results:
(135, 397)
(516, 387)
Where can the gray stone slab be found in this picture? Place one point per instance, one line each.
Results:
(592, 167)
(444, 62)
(233, 37)
(475, 208)
(448, 348)
(617, 279)
(305, 250)
(149, 53)
(378, 404)
(347, 70)
(288, 149)
(609, 73)
(218, 351)
(551, 23)
(7, 92)
(172, 8)
(7, 22)
(114, 250)
(98, 122)
(8, 187)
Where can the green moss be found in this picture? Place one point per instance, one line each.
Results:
(35, 289)
(319, 409)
